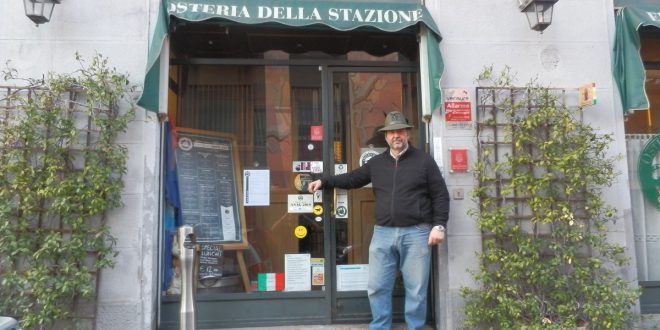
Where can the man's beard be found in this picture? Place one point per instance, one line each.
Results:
(399, 144)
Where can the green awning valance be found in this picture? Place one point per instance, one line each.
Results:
(627, 63)
(339, 15)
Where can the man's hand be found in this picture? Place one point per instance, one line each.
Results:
(314, 186)
(436, 237)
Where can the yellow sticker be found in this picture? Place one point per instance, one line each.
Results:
(300, 231)
(318, 209)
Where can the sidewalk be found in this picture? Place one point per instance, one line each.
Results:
(399, 326)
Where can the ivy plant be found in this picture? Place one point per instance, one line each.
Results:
(546, 262)
(60, 172)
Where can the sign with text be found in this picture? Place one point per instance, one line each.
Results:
(297, 272)
(303, 203)
(341, 207)
(210, 261)
(458, 109)
(210, 187)
(459, 160)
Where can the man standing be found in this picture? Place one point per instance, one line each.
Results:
(412, 209)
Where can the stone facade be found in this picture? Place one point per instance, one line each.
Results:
(574, 50)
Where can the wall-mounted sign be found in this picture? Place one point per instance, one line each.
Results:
(458, 109)
(459, 160)
(588, 95)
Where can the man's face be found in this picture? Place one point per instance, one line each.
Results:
(398, 139)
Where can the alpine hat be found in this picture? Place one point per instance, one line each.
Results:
(395, 121)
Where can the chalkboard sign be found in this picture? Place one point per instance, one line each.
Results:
(207, 166)
(210, 261)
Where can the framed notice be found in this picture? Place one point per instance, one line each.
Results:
(208, 173)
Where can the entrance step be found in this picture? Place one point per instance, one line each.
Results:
(328, 327)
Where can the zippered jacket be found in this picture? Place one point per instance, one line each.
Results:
(408, 191)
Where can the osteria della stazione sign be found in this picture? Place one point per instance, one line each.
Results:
(311, 12)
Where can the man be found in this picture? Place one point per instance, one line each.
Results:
(412, 209)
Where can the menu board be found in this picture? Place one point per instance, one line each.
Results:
(210, 261)
(207, 171)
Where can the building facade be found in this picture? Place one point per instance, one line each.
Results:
(246, 101)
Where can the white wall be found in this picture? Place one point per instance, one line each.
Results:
(118, 30)
(574, 50)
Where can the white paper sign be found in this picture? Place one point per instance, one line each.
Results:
(317, 167)
(341, 207)
(437, 154)
(256, 187)
(352, 277)
(341, 168)
(301, 203)
(228, 225)
(297, 272)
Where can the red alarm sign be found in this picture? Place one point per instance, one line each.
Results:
(459, 160)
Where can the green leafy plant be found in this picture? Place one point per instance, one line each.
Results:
(60, 171)
(546, 260)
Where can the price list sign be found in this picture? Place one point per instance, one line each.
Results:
(206, 171)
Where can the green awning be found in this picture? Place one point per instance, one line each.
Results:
(339, 15)
(628, 68)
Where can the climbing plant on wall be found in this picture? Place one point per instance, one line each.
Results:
(60, 172)
(547, 262)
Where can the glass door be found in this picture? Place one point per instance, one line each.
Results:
(303, 257)
(360, 100)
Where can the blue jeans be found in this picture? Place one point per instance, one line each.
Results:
(403, 249)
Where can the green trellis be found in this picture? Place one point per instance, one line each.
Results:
(547, 262)
(60, 172)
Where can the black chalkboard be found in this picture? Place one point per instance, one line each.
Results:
(207, 167)
(210, 261)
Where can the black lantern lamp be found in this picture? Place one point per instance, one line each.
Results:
(39, 11)
(539, 13)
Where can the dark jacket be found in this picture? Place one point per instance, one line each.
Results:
(409, 191)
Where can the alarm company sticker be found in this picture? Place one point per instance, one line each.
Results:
(318, 209)
(300, 231)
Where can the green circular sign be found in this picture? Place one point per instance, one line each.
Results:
(648, 169)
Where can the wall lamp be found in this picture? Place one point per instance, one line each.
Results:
(39, 11)
(539, 13)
